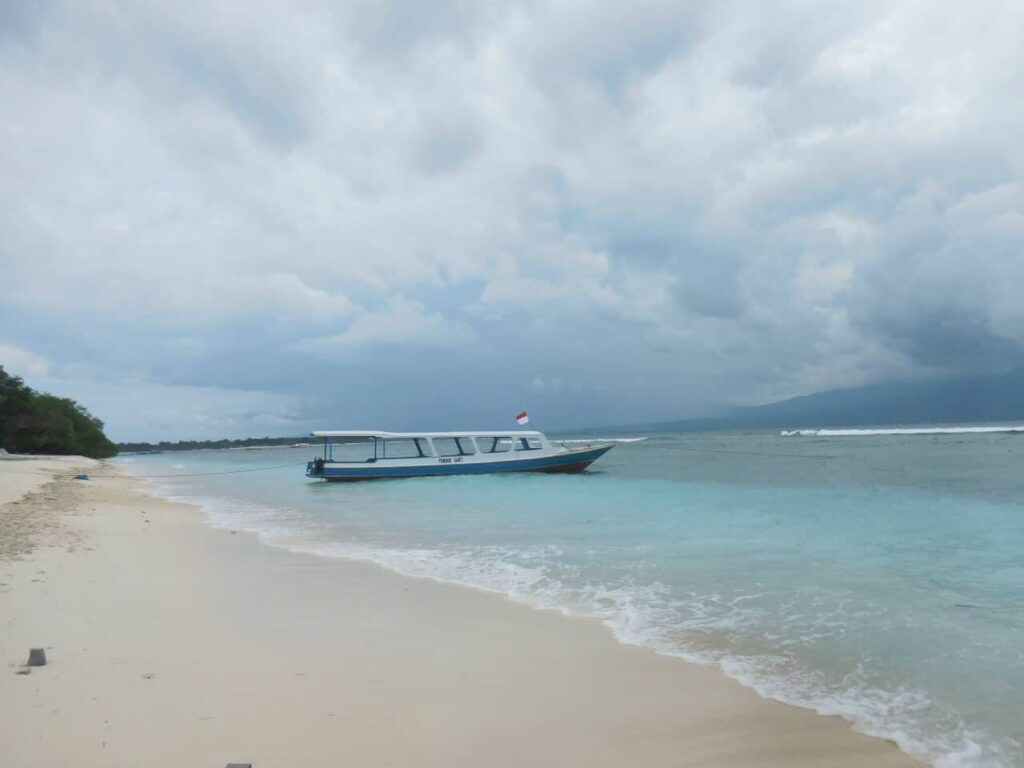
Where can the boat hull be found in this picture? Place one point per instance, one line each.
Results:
(568, 462)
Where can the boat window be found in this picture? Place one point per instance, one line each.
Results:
(465, 446)
(494, 444)
(527, 444)
(446, 446)
(400, 449)
(361, 450)
(424, 446)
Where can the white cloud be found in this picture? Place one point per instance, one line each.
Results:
(401, 322)
(293, 295)
(729, 198)
(18, 361)
(539, 385)
(147, 411)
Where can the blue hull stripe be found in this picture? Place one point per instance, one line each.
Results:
(374, 470)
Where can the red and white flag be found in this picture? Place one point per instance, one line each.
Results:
(522, 418)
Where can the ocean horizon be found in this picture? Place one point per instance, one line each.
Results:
(873, 574)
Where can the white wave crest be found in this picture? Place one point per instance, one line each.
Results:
(899, 431)
(649, 615)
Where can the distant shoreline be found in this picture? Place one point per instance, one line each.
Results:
(616, 432)
(214, 445)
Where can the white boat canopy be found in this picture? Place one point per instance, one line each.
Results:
(368, 434)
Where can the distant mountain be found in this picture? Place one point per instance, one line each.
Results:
(983, 398)
(979, 398)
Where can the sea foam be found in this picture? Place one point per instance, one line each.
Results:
(899, 431)
(599, 548)
(647, 615)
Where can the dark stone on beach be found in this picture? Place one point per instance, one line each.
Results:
(239, 765)
(37, 657)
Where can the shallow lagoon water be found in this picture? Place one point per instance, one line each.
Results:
(876, 577)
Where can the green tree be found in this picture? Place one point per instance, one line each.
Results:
(15, 400)
(33, 422)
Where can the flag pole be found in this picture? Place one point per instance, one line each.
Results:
(522, 418)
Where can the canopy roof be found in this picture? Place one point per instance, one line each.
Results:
(369, 433)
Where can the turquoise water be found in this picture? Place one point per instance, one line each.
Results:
(876, 577)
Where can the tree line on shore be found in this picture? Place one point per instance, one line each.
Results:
(195, 445)
(37, 422)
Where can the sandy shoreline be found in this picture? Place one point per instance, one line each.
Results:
(172, 644)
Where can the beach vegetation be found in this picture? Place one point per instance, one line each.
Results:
(37, 422)
(207, 445)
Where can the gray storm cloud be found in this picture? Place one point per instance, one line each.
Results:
(361, 213)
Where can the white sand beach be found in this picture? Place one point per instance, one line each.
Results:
(174, 644)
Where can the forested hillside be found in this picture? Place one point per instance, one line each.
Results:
(36, 422)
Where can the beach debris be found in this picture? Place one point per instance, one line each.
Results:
(239, 765)
(148, 676)
(25, 670)
(37, 657)
(81, 477)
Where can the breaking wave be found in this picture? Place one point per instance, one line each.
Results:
(651, 615)
(900, 431)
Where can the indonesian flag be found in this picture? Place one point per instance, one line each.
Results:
(522, 418)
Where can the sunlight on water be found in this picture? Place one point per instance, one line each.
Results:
(878, 578)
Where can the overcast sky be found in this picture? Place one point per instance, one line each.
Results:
(243, 219)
